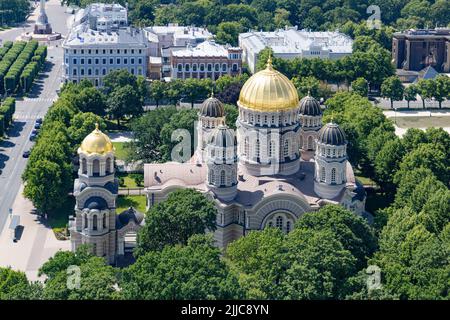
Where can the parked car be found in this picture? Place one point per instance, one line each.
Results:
(39, 120)
(32, 137)
(26, 154)
(35, 132)
(37, 125)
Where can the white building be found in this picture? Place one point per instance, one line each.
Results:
(290, 42)
(100, 41)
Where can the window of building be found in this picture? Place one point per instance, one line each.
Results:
(89, 61)
(286, 148)
(333, 175)
(89, 72)
(89, 51)
(132, 51)
(111, 61)
(104, 72)
(82, 61)
(257, 148)
(216, 67)
(224, 67)
(322, 174)
(94, 222)
(82, 51)
(96, 72)
(246, 146)
(222, 177)
(187, 67)
(140, 60)
(279, 222)
(82, 71)
(104, 61)
(125, 51)
(235, 67)
(125, 61)
(96, 61)
(118, 60)
(194, 67)
(104, 221)
(74, 61)
(132, 70)
(288, 226)
(180, 67)
(209, 67)
(211, 176)
(202, 67)
(74, 72)
(132, 60)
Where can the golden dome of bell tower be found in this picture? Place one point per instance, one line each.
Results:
(268, 90)
(96, 142)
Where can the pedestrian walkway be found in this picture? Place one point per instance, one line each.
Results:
(36, 245)
(417, 113)
(39, 99)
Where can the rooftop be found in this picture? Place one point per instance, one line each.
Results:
(207, 48)
(291, 40)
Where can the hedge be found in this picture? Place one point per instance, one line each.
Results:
(6, 46)
(12, 78)
(32, 69)
(8, 60)
(7, 110)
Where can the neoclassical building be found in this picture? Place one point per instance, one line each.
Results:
(279, 163)
(96, 222)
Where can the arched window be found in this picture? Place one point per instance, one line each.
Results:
(322, 174)
(333, 175)
(271, 148)
(301, 142)
(216, 67)
(209, 67)
(85, 221)
(202, 67)
(96, 167)
(194, 67)
(288, 226)
(246, 147)
(84, 166)
(224, 67)
(310, 143)
(94, 222)
(279, 222)
(211, 176)
(222, 177)
(108, 165)
(286, 148)
(180, 67)
(187, 67)
(104, 221)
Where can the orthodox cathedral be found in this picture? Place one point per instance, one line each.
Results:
(279, 163)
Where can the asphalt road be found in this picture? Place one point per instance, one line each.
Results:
(29, 109)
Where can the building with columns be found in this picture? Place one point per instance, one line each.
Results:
(96, 222)
(279, 163)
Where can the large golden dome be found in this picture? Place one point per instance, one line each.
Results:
(96, 142)
(268, 90)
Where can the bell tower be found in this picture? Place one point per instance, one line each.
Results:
(95, 192)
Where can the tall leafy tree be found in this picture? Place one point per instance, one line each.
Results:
(192, 271)
(392, 88)
(185, 212)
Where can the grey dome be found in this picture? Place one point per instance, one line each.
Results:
(331, 134)
(96, 203)
(222, 136)
(128, 215)
(212, 107)
(310, 106)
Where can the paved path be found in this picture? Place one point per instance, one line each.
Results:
(124, 136)
(36, 244)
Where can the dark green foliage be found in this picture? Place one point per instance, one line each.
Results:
(193, 271)
(185, 212)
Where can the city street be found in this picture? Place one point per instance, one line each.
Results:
(28, 109)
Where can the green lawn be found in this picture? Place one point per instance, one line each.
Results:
(364, 180)
(121, 152)
(128, 180)
(422, 122)
(59, 218)
(124, 202)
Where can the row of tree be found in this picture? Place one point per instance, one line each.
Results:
(7, 109)
(48, 175)
(369, 61)
(8, 60)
